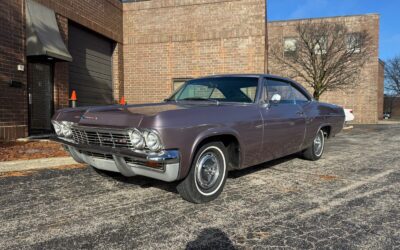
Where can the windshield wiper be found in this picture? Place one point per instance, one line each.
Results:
(199, 99)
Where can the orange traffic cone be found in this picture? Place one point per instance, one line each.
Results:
(122, 101)
(73, 98)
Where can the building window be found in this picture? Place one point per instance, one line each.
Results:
(354, 42)
(289, 46)
(178, 82)
(321, 45)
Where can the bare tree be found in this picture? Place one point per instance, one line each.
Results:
(326, 56)
(392, 76)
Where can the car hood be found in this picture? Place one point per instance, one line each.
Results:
(115, 115)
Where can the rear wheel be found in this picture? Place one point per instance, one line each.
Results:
(207, 175)
(315, 151)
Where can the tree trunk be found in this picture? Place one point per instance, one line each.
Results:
(316, 95)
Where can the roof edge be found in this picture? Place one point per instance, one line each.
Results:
(321, 18)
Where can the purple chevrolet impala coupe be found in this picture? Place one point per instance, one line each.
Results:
(207, 127)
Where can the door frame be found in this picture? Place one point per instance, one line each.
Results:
(29, 94)
(266, 107)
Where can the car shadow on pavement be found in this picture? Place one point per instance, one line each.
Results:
(145, 182)
(242, 172)
(140, 181)
(211, 238)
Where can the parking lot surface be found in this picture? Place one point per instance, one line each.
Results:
(348, 199)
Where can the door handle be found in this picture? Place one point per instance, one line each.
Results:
(300, 113)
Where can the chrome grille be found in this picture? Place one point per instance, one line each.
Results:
(101, 137)
(97, 155)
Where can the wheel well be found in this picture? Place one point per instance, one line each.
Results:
(232, 147)
(327, 131)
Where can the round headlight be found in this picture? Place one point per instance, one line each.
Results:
(153, 141)
(66, 128)
(57, 127)
(136, 139)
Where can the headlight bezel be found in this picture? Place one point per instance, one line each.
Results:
(57, 127)
(145, 139)
(140, 141)
(63, 128)
(153, 140)
(66, 128)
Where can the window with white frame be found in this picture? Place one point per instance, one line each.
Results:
(289, 46)
(354, 42)
(321, 45)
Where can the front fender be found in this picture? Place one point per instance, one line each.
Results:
(206, 134)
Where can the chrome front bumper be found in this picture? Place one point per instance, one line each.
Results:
(116, 160)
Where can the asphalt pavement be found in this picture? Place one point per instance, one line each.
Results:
(347, 200)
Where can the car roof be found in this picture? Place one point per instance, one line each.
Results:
(303, 89)
(245, 75)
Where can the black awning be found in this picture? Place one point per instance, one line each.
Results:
(42, 34)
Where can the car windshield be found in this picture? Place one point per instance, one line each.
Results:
(221, 89)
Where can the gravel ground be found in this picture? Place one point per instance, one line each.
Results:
(347, 200)
(12, 151)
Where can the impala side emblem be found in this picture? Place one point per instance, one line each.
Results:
(89, 117)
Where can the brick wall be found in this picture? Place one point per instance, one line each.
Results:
(118, 73)
(189, 38)
(61, 70)
(101, 16)
(13, 101)
(366, 98)
(392, 105)
(381, 88)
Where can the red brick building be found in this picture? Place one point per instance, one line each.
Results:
(141, 50)
(33, 85)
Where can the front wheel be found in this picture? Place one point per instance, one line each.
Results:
(314, 152)
(207, 175)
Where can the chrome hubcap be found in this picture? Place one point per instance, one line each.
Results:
(319, 143)
(207, 170)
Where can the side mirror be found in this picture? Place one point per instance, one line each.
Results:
(276, 98)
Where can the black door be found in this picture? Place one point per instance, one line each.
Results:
(40, 94)
(90, 72)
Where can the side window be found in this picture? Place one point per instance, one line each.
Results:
(217, 94)
(299, 97)
(250, 92)
(279, 87)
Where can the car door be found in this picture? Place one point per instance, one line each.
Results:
(283, 119)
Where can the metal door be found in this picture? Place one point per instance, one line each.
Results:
(90, 72)
(40, 94)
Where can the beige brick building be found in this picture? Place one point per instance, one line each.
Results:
(167, 40)
(366, 99)
(141, 50)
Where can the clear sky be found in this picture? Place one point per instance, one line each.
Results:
(389, 11)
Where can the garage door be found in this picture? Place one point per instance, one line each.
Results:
(90, 72)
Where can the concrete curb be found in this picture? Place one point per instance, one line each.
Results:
(10, 166)
(348, 127)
